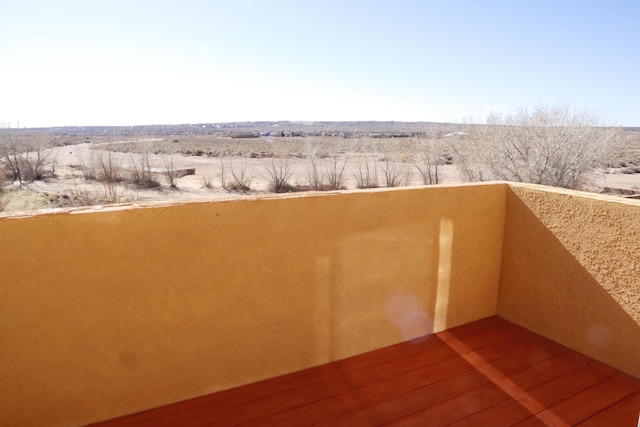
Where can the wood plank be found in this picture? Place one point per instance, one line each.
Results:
(514, 407)
(263, 389)
(499, 390)
(227, 399)
(590, 401)
(381, 390)
(523, 406)
(624, 413)
(364, 396)
(542, 386)
(400, 405)
(347, 382)
(489, 372)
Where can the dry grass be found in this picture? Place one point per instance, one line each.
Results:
(115, 171)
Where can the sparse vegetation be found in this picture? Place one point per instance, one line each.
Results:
(106, 169)
(234, 179)
(395, 171)
(168, 159)
(428, 158)
(24, 160)
(278, 174)
(123, 167)
(207, 180)
(326, 174)
(143, 173)
(366, 174)
(3, 193)
(334, 171)
(314, 174)
(550, 145)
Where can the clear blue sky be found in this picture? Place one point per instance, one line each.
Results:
(124, 62)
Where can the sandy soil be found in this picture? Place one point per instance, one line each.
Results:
(69, 188)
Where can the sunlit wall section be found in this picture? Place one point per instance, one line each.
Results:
(111, 311)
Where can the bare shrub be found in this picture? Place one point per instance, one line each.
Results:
(396, 172)
(366, 174)
(314, 175)
(550, 145)
(168, 159)
(143, 172)
(33, 163)
(234, 179)
(83, 198)
(429, 156)
(334, 172)
(325, 171)
(207, 180)
(88, 167)
(103, 193)
(110, 193)
(23, 159)
(105, 166)
(278, 173)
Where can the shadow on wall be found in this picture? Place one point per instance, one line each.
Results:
(546, 286)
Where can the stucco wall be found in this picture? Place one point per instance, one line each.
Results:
(571, 271)
(108, 312)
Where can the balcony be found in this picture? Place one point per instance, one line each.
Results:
(113, 311)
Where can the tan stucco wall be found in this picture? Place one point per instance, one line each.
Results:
(109, 312)
(571, 271)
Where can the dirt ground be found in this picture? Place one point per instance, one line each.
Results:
(255, 158)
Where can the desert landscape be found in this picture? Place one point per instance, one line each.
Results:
(81, 166)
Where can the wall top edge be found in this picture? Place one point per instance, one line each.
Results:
(575, 193)
(236, 198)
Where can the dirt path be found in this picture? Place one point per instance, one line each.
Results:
(69, 188)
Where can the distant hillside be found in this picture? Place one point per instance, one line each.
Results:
(252, 129)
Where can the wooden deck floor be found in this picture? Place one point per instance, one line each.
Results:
(486, 373)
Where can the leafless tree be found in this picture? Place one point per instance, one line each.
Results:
(168, 158)
(428, 158)
(23, 159)
(554, 146)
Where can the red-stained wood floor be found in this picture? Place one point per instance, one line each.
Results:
(486, 373)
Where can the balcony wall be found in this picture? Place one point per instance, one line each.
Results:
(105, 312)
(109, 311)
(571, 271)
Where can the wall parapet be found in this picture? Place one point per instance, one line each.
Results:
(112, 311)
